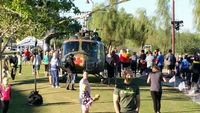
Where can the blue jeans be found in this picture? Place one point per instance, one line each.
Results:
(55, 79)
(71, 78)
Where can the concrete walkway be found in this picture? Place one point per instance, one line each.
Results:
(194, 95)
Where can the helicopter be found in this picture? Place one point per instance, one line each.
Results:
(88, 52)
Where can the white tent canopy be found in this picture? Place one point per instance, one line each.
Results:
(30, 41)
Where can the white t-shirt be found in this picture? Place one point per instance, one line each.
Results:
(37, 60)
(85, 82)
(149, 59)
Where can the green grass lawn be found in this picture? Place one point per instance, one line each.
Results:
(62, 101)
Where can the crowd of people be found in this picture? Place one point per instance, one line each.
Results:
(124, 64)
(184, 66)
(12, 66)
(51, 61)
(151, 65)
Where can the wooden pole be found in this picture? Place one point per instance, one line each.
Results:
(173, 27)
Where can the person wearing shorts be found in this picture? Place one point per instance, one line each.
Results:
(171, 61)
(46, 63)
(84, 94)
(71, 74)
(36, 64)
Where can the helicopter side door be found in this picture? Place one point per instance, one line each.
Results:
(101, 57)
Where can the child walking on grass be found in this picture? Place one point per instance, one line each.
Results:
(85, 99)
(5, 91)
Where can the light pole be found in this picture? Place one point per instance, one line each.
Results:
(173, 27)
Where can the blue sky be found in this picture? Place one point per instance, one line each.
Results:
(183, 9)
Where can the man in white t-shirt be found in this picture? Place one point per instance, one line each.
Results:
(36, 64)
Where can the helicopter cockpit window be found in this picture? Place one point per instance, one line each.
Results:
(71, 47)
(90, 48)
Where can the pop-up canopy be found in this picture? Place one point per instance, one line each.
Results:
(29, 41)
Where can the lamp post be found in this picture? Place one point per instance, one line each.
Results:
(173, 27)
(34, 98)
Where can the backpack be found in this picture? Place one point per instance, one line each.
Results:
(35, 98)
(171, 59)
(184, 64)
(13, 60)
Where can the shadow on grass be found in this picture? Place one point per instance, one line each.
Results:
(102, 112)
(18, 103)
(93, 79)
(30, 81)
(95, 82)
(103, 89)
(176, 98)
(47, 93)
(171, 90)
(23, 90)
(104, 102)
(58, 103)
(146, 89)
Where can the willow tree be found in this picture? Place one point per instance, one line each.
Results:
(119, 27)
(142, 27)
(105, 20)
(114, 26)
(164, 22)
(124, 27)
(196, 11)
(96, 18)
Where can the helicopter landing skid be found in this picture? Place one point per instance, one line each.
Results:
(103, 79)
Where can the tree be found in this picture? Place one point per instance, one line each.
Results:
(164, 25)
(124, 27)
(142, 27)
(36, 17)
(196, 11)
(187, 47)
(118, 26)
(105, 20)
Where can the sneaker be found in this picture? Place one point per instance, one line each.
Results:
(20, 74)
(67, 88)
(73, 89)
(57, 86)
(53, 86)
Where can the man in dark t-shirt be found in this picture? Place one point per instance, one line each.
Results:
(71, 77)
(13, 62)
(171, 61)
(126, 96)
